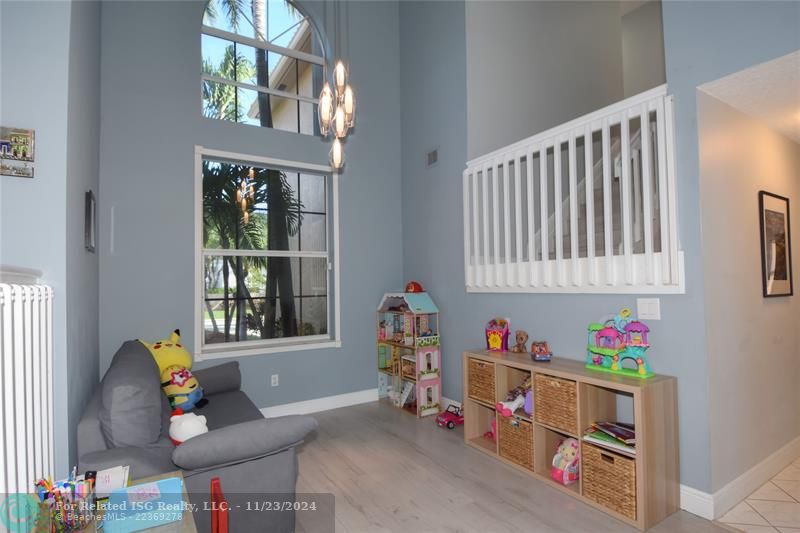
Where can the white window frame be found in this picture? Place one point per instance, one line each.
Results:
(264, 346)
(269, 47)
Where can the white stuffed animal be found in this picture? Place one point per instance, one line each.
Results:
(183, 427)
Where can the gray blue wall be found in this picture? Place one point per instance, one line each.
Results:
(49, 59)
(83, 138)
(704, 41)
(150, 123)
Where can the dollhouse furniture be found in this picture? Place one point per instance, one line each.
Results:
(639, 487)
(409, 350)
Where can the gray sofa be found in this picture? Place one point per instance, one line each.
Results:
(126, 422)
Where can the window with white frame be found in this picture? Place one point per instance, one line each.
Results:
(262, 64)
(266, 274)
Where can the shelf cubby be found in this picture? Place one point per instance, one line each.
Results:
(478, 419)
(547, 441)
(509, 378)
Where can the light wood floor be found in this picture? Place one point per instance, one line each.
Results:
(390, 471)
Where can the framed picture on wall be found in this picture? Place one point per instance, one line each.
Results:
(776, 245)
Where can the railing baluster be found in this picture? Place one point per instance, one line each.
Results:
(557, 201)
(496, 223)
(506, 221)
(661, 158)
(589, 182)
(647, 192)
(476, 267)
(669, 139)
(465, 188)
(543, 230)
(573, 211)
(485, 215)
(607, 213)
(627, 241)
(518, 222)
(534, 266)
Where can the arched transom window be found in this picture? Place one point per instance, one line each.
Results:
(262, 64)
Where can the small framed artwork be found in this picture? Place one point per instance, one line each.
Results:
(776, 245)
(90, 223)
(16, 152)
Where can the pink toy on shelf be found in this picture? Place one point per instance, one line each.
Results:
(497, 333)
(566, 462)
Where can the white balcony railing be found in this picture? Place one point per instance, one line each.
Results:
(586, 207)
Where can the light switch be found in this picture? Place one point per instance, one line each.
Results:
(648, 308)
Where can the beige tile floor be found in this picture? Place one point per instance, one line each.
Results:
(773, 507)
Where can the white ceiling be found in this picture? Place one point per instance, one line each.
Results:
(769, 92)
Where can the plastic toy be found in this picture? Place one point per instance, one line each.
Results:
(521, 337)
(540, 351)
(174, 366)
(497, 332)
(451, 417)
(492, 433)
(565, 468)
(414, 286)
(183, 427)
(518, 397)
(615, 340)
(169, 352)
(182, 389)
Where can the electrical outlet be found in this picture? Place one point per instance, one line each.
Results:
(648, 308)
(274, 381)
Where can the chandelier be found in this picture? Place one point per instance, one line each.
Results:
(337, 100)
(337, 112)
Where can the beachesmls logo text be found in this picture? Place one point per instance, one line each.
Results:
(18, 512)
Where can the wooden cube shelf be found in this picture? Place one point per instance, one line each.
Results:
(649, 474)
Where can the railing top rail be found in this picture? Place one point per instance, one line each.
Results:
(575, 124)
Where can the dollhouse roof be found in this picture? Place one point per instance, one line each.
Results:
(637, 326)
(418, 303)
(609, 332)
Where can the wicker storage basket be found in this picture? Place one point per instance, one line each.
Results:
(481, 381)
(556, 402)
(515, 439)
(609, 479)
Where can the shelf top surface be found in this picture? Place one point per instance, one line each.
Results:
(569, 369)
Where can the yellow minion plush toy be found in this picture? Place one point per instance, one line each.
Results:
(174, 365)
(182, 388)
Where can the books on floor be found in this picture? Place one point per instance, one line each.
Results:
(615, 435)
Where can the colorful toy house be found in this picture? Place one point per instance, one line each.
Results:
(409, 350)
(616, 340)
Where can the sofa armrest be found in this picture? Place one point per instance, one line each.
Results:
(221, 378)
(242, 442)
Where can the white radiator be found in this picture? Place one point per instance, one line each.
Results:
(26, 375)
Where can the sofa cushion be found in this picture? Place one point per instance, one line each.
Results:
(131, 408)
(227, 408)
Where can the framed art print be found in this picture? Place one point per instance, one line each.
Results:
(776, 245)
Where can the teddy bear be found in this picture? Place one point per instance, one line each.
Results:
(522, 340)
(184, 426)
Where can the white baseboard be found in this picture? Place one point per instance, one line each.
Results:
(697, 502)
(713, 506)
(447, 402)
(321, 404)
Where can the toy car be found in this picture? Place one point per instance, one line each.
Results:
(450, 418)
